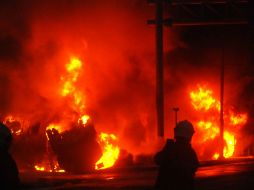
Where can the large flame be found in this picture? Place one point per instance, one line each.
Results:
(203, 101)
(73, 70)
(110, 151)
(108, 142)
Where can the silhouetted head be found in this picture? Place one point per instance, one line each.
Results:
(184, 131)
(5, 137)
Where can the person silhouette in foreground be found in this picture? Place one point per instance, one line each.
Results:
(9, 175)
(177, 160)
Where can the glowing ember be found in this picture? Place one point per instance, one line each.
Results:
(202, 100)
(39, 168)
(110, 151)
(46, 168)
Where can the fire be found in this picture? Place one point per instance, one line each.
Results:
(46, 168)
(229, 149)
(84, 119)
(15, 124)
(58, 127)
(203, 100)
(208, 129)
(238, 119)
(110, 151)
(73, 70)
(39, 168)
(106, 141)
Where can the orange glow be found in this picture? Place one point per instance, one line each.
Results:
(202, 99)
(110, 151)
(209, 129)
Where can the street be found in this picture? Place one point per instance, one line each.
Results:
(214, 175)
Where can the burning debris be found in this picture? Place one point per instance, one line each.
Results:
(77, 149)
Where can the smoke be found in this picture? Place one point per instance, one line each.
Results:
(116, 47)
(117, 50)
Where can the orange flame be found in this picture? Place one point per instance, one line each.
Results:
(202, 100)
(110, 151)
(73, 69)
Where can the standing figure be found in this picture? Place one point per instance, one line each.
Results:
(9, 175)
(177, 160)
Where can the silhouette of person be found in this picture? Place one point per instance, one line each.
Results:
(177, 160)
(9, 175)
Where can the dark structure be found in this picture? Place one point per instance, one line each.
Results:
(77, 149)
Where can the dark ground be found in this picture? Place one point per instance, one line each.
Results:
(215, 175)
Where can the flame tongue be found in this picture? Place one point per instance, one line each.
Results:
(110, 151)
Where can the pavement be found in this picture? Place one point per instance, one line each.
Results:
(234, 174)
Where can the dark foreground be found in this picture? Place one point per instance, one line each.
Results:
(220, 175)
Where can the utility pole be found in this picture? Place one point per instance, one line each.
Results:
(159, 68)
(159, 22)
(222, 69)
(176, 109)
(193, 13)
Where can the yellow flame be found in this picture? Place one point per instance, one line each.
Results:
(74, 65)
(84, 119)
(110, 151)
(203, 100)
(229, 149)
(73, 69)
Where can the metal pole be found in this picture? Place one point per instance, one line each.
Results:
(176, 109)
(222, 105)
(159, 68)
